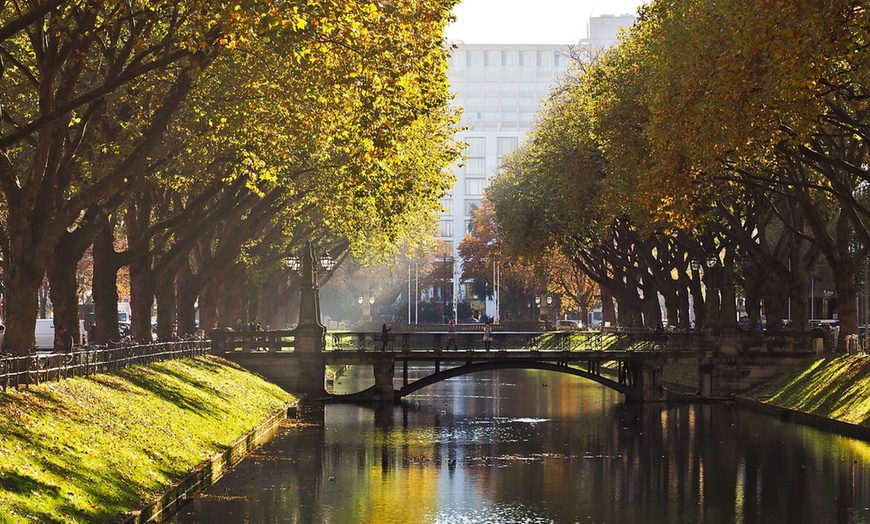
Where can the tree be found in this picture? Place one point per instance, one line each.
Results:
(88, 140)
(520, 278)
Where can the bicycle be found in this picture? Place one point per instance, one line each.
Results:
(65, 365)
(37, 369)
(6, 369)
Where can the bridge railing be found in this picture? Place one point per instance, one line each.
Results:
(523, 341)
(254, 341)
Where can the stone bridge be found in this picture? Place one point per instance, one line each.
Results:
(629, 362)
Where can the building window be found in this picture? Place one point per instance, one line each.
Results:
(527, 59)
(447, 205)
(509, 59)
(471, 206)
(469, 226)
(491, 59)
(475, 186)
(475, 166)
(545, 59)
(445, 249)
(476, 146)
(528, 87)
(474, 58)
(506, 144)
(445, 228)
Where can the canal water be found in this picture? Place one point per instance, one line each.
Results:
(539, 447)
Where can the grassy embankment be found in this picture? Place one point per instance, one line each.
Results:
(89, 449)
(837, 388)
(833, 387)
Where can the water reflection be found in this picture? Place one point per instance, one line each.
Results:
(529, 446)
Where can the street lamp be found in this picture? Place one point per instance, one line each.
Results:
(293, 262)
(544, 304)
(367, 305)
(327, 262)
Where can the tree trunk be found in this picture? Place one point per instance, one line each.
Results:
(166, 306)
(186, 299)
(105, 287)
(847, 310)
(608, 310)
(141, 298)
(64, 296)
(208, 308)
(21, 305)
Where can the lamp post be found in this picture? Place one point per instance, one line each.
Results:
(366, 300)
(544, 308)
(310, 267)
(697, 266)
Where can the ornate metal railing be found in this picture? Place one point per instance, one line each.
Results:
(517, 341)
(254, 341)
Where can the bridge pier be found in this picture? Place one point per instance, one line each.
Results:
(383, 368)
(649, 385)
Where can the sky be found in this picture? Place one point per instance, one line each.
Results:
(530, 21)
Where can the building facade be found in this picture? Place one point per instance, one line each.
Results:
(500, 89)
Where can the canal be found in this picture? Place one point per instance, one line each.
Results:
(539, 447)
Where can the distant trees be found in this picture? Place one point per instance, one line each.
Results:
(215, 138)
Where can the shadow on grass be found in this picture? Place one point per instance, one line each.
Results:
(834, 387)
(14, 482)
(174, 393)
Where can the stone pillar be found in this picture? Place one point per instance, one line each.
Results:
(310, 333)
(650, 386)
(384, 367)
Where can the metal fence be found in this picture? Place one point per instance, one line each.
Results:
(36, 367)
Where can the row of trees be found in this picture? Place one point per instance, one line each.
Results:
(198, 144)
(732, 134)
(521, 277)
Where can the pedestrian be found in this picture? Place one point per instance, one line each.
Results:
(451, 336)
(385, 336)
(63, 340)
(487, 335)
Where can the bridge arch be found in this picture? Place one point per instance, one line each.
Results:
(468, 369)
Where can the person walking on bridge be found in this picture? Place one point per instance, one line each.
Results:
(385, 336)
(487, 335)
(451, 336)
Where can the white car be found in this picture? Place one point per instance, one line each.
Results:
(567, 325)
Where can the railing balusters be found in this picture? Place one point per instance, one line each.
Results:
(17, 370)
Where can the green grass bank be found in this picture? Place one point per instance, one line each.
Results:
(833, 387)
(90, 449)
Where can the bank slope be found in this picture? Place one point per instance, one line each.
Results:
(836, 388)
(88, 449)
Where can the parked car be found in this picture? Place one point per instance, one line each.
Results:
(567, 325)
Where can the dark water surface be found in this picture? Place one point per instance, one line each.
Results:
(531, 446)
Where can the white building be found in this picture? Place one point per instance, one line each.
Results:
(500, 88)
(604, 30)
